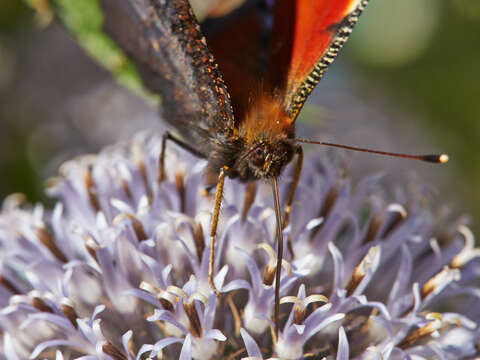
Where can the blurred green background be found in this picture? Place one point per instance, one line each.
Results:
(408, 80)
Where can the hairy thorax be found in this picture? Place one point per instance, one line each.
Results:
(259, 148)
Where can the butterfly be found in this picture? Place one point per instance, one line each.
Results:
(233, 88)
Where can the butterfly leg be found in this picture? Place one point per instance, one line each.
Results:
(161, 176)
(213, 226)
(293, 186)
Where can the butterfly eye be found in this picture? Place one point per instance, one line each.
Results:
(257, 157)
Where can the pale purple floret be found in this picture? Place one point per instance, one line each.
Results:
(118, 268)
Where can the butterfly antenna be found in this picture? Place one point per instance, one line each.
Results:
(434, 158)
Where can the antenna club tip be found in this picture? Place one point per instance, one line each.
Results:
(438, 159)
(443, 158)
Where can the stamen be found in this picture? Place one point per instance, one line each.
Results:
(166, 298)
(46, 238)
(440, 279)
(327, 205)
(91, 191)
(468, 252)
(136, 225)
(177, 291)
(430, 328)
(199, 297)
(193, 318)
(127, 190)
(67, 309)
(197, 233)
(271, 266)
(397, 214)
(138, 159)
(180, 185)
(14, 201)
(301, 305)
(361, 270)
(199, 240)
(112, 351)
(373, 228)
(250, 191)
(38, 303)
(9, 285)
(90, 244)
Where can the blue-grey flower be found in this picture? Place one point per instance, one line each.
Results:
(118, 268)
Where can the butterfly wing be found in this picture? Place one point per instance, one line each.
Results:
(316, 31)
(164, 39)
(287, 59)
(239, 41)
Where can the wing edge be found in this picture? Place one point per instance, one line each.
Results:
(298, 96)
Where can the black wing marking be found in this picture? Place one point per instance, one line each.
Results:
(164, 39)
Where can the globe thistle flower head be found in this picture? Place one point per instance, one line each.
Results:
(118, 269)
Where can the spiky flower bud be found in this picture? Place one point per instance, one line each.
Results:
(118, 269)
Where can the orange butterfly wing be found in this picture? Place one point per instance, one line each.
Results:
(286, 62)
(320, 29)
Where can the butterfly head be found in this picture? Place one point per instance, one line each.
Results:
(264, 158)
(260, 147)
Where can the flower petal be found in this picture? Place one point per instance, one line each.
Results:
(186, 353)
(343, 348)
(252, 348)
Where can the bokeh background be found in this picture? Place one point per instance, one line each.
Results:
(407, 81)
